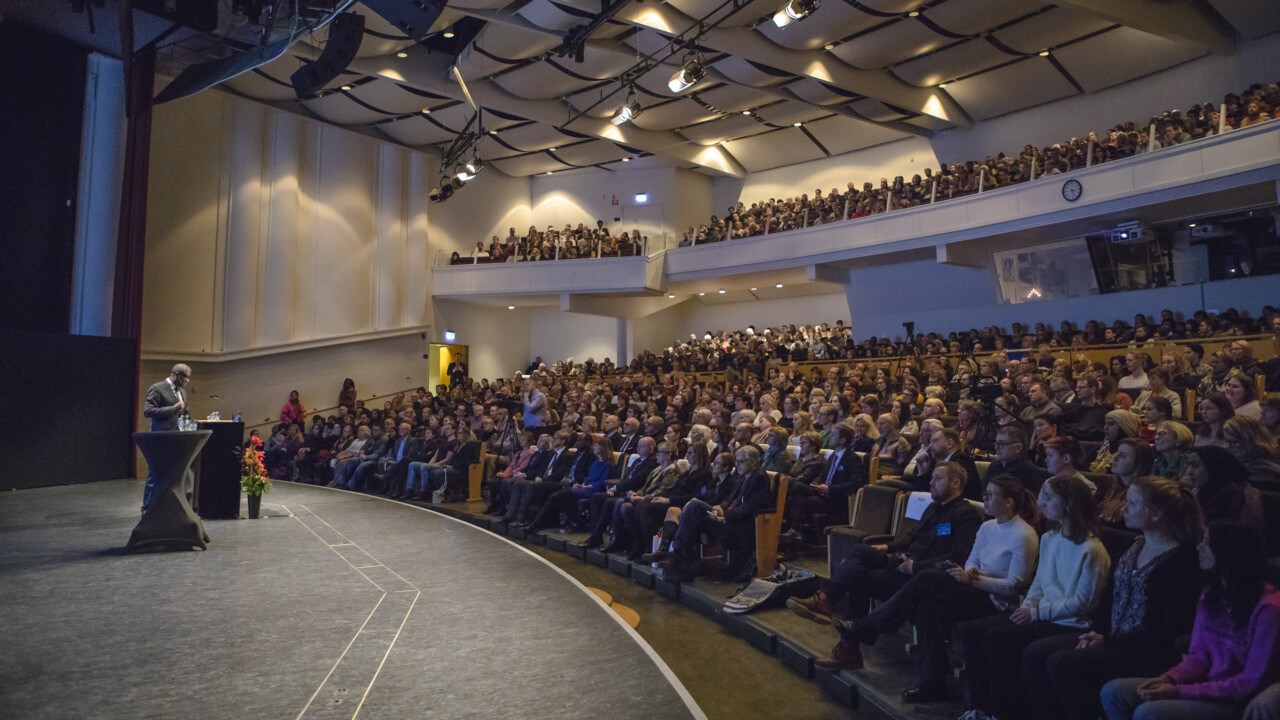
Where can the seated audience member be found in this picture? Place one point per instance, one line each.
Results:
(1152, 603)
(632, 478)
(400, 453)
(802, 422)
(350, 474)
(977, 432)
(944, 535)
(730, 524)
(552, 475)
(1233, 643)
(776, 458)
(1039, 403)
(1213, 411)
(565, 500)
(1135, 377)
(454, 471)
(1069, 581)
(1133, 459)
(894, 451)
(1060, 458)
(1173, 443)
(1241, 392)
(1011, 459)
(504, 480)
(292, 411)
(1220, 483)
(1158, 387)
(825, 492)
(428, 453)
(625, 526)
(922, 460)
(998, 570)
(1154, 412)
(1253, 446)
(1119, 425)
(1084, 418)
(1271, 416)
(714, 489)
(350, 457)
(865, 434)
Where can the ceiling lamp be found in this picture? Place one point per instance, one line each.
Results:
(468, 172)
(795, 10)
(630, 109)
(694, 69)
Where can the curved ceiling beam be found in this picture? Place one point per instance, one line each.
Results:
(1182, 21)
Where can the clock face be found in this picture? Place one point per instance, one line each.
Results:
(1071, 190)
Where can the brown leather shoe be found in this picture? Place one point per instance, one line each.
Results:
(843, 655)
(816, 607)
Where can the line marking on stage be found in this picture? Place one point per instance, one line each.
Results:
(355, 672)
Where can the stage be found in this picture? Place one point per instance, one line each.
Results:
(332, 605)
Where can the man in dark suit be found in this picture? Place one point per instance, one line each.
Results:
(399, 454)
(945, 446)
(630, 438)
(166, 402)
(633, 478)
(526, 492)
(829, 494)
(730, 524)
(1011, 458)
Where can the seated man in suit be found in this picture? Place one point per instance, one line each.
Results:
(944, 447)
(731, 524)
(1011, 459)
(544, 483)
(633, 478)
(946, 533)
(400, 452)
(828, 494)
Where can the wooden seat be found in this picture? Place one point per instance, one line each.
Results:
(477, 471)
(768, 527)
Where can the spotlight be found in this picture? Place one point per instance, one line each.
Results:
(795, 10)
(630, 109)
(694, 69)
(468, 172)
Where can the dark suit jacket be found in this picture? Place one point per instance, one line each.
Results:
(160, 406)
(750, 497)
(633, 477)
(1031, 476)
(558, 467)
(537, 464)
(849, 475)
(946, 532)
(627, 444)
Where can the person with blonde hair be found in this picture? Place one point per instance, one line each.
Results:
(865, 433)
(1173, 443)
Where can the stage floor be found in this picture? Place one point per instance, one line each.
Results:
(336, 605)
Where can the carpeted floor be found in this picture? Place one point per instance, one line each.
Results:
(336, 605)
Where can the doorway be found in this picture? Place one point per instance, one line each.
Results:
(439, 357)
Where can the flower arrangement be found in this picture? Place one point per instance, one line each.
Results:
(253, 476)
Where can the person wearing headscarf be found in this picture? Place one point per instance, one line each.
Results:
(1118, 425)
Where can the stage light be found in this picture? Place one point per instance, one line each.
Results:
(630, 109)
(795, 10)
(688, 75)
(468, 172)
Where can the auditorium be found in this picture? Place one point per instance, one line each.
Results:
(793, 359)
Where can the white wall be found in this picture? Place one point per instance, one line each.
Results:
(266, 229)
(482, 208)
(497, 340)
(556, 335)
(677, 199)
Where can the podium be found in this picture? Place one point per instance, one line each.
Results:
(169, 523)
(217, 488)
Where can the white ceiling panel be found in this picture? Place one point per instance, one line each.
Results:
(340, 109)
(416, 131)
(733, 126)
(387, 95)
(790, 111)
(840, 134)
(541, 81)
(875, 110)
(591, 153)
(529, 164)
(535, 136)
(817, 92)
(775, 149)
(962, 59)
(1122, 54)
(545, 14)
(890, 45)
(735, 98)
(1021, 85)
(256, 86)
(1251, 18)
(673, 114)
(1049, 29)
(744, 72)
(970, 17)
(901, 7)
(833, 21)
(750, 13)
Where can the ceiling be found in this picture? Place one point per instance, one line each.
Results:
(853, 74)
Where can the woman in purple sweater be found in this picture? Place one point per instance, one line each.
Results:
(1235, 645)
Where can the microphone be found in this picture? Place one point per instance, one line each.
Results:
(235, 412)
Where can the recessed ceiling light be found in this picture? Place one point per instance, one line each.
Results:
(1191, 225)
(721, 291)
(346, 87)
(511, 307)
(448, 34)
(753, 289)
(830, 46)
(796, 124)
(746, 112)
(942, 85)
(551, 149)
(1044, 53)
(626, 159)
(493, 132)
(402, 54)
(701, 294)
(426, 111)
(779, 285)
(914, 13)
(551, 172)
(671, 297)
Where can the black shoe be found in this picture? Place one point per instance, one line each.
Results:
(653, 557)
(591, 543)
(924, 694)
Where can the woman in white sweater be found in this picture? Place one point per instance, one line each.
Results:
(1069, 580)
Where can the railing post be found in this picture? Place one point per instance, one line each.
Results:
(1033, 167)
(767, 222)
(1222, 119)
(888, 201)
(599, 253)
(933, 194)
(806, 218)
(1088, 158)
(557, 253)
(644, 243)
(848, 199)
(982, 179)
(1151, 138)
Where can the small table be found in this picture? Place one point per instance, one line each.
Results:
(170, 523)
